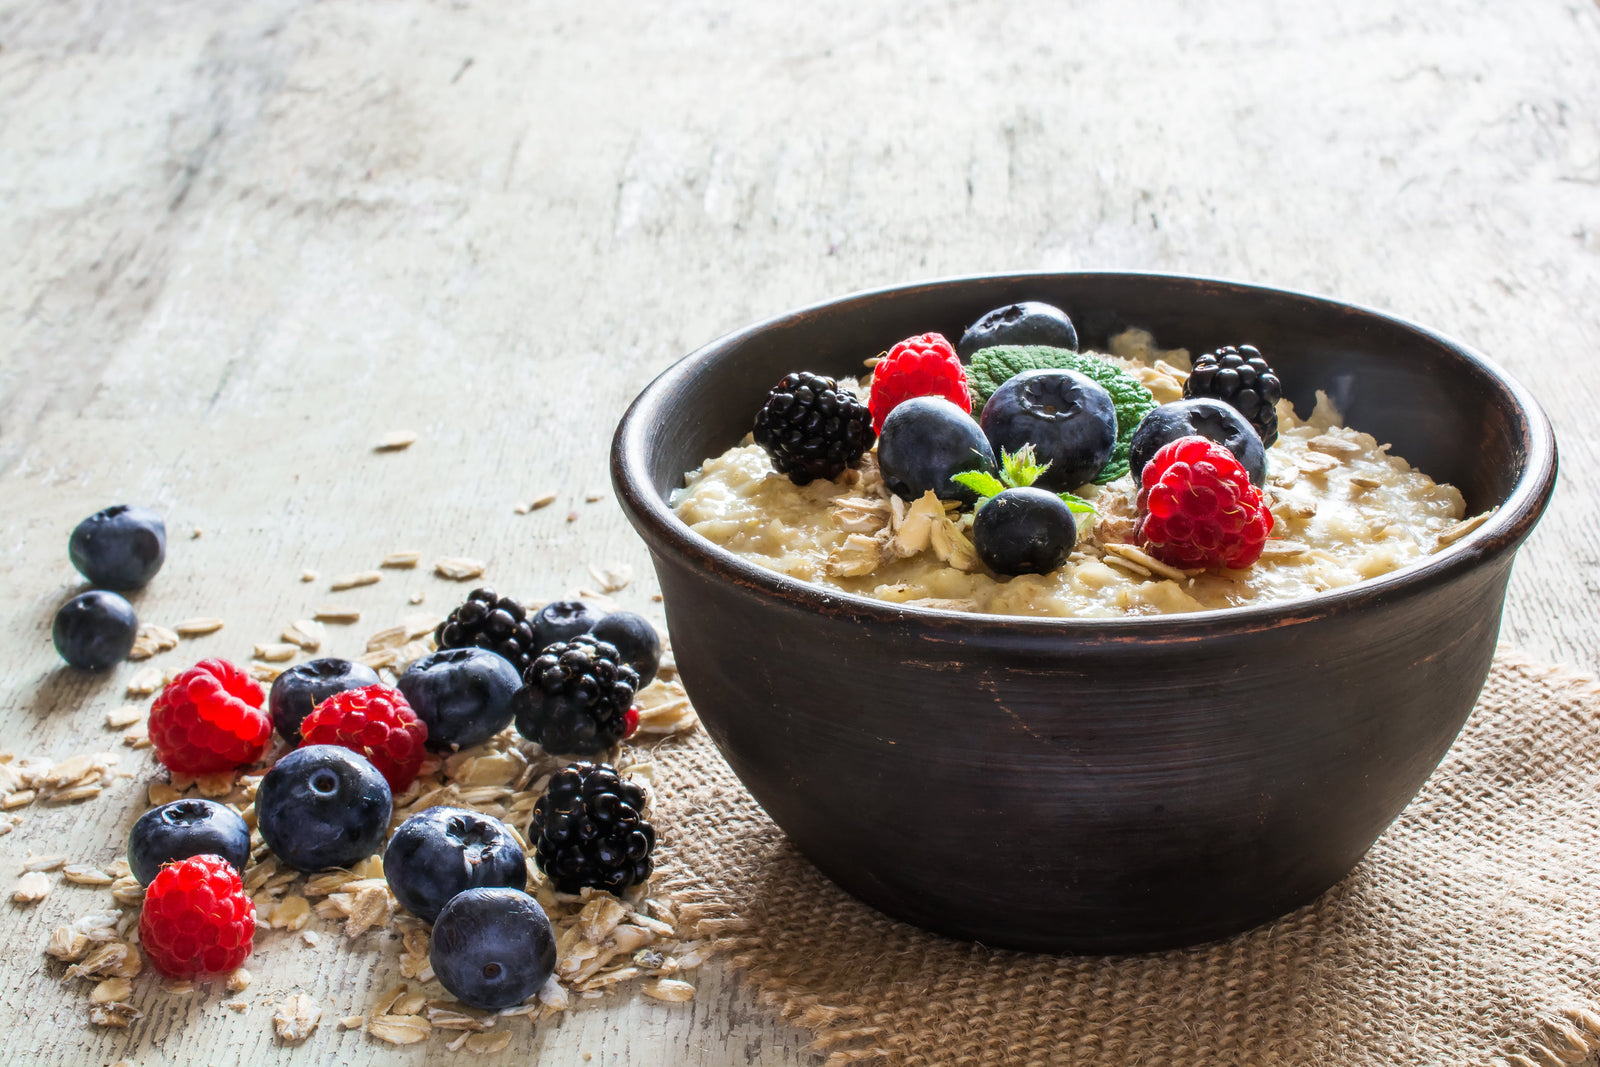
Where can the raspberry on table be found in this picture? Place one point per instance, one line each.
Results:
(1197, 507)
(376, 722)
(812, 429)
(918, 366)
(209, 719)
(197, 918)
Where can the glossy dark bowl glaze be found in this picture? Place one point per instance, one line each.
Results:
(1094, 785)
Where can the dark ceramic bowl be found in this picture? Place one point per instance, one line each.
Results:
(1094, 785)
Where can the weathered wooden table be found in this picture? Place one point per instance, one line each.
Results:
(242, 242)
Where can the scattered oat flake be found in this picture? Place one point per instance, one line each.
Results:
(668, 989)
(572, 516)
(85, 874)
(67, 943)
(1137, 555)
(305, 633)
(355, 581)
(352, 1022)
(31, 888)
(393, 637)
(276, 652)
(1451, 534)
(266, 672)
(485, 1044)
(239, 980)
(395, 440)
(296, 1018)
(45, 863)
(311, 938)
(592, 497)
(198, 627)
(308, 575)
(400, 1029)
(543, 500)
(338, 613)
(145, 682)
(240, 1006)
(458, 568)
(117, 1015)
(1334, 446)
(125, 716)
(415, 598)
(614, 577)
(402, 560)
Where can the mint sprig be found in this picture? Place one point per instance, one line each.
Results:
(993, 367)
(1018, 470)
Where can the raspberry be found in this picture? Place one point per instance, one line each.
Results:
(918, 366)
(197, 918)
(209, 719)
(376, 722)
(1197, 507)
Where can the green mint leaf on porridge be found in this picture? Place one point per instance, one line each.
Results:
(983, 483)
(993, 367)
(1021, 468)
(1077, 504)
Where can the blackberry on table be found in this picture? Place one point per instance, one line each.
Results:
(577, 697)
(812, 428)
(589, 830)
(1241, 378)
(488, 620)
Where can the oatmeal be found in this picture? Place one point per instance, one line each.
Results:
(1344, 510)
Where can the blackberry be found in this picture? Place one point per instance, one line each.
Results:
(589, 830)
(811, 428)
(577, 697)
(497, 623)
(1240, 378)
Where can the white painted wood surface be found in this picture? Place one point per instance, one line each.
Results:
(242, 241)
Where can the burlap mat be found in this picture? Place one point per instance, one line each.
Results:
(1470, 934)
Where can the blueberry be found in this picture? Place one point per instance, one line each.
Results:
(1068, 417)
(184, 828)
(462, 694)
(119, 548)
(926, 440)
(561, 620)
(1024, 531)
(302, 687)
(492, 948)
(1028, 323)
(1211, 419)
(440, 852)
(94, 630)
(322, 806)
(635, 639)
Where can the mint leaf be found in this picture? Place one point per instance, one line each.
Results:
(1022, 468)
(992, 367)
(981, 482)
(1077, 504)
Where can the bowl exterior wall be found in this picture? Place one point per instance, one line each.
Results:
(1083, 795)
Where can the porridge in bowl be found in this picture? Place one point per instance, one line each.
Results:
(1331, 505)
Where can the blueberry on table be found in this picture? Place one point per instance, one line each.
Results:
(441, 852)
(1068, 418)
(1028, 323)
(492, 948)
(95, 630)
(298, 690)
(119, 548)
(1211, 419)
(184, 828)
(635, 639)
(924, 442)
(1024, 531)
(562, 620)
(462, 694)
(322, 806)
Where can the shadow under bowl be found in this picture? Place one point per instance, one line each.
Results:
(1094, 785)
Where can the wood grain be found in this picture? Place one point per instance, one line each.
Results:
(242, 242)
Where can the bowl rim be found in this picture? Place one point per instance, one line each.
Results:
(652, 515)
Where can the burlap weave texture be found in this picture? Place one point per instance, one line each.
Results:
(1470, 934)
